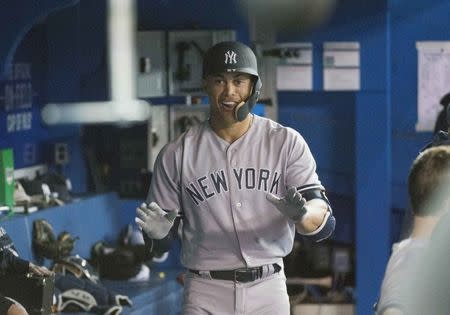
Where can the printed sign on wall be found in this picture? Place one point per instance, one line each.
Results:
(341, 62)
(16, 94)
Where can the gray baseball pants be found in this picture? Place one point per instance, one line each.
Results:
(265, 296)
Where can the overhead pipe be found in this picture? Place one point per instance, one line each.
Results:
(124, 106)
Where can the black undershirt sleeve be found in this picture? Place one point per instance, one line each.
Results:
(159, 247)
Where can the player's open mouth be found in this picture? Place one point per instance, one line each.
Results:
(228, 105)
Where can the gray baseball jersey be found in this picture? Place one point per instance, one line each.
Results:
(221, 189)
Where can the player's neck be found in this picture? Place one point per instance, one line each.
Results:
(423, 226)
(231, 132)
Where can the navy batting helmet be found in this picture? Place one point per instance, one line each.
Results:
(234, 57)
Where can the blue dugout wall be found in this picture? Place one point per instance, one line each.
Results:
(56, 51)
(349, 132)
(364, 141)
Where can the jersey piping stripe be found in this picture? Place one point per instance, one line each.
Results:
(310, 186)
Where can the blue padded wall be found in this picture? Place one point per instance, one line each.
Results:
(411, 21)
(326, 121)
(64, 44)
(328, 118)
(349, 133)
(33, 142)
(192, 15)
(379, 119)
(92, 219)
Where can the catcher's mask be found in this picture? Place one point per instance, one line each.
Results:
(76, 265)
(234, 57)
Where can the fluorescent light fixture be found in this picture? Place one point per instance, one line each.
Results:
(96, 112)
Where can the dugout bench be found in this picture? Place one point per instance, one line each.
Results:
(101, 217)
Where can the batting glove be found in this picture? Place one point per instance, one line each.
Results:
(291, 205)
(154, 221)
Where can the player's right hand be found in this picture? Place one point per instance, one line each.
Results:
(154, 221)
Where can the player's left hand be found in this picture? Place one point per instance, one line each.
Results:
(291, 205)
(39, 270)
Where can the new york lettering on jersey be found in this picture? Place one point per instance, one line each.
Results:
(224, 170)
(250, 178)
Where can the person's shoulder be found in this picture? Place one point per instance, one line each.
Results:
(275, 128)
(392, 311)
(440, 231)
(267, 123)
(405, 256)
(177, 144)
(276, 132)
(410, 245)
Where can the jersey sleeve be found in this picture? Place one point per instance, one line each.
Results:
(301, 166)
(165, 182)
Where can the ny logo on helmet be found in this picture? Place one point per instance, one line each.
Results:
(230, 57)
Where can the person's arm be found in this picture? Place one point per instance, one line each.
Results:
(305, 202)
(310, 212)
(16, 309)
(158, 217)
(11, 264)
(318, 221)
(159, 247)
(314, 217)
(441, 122)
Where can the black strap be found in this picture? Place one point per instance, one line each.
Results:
(276, 268)
(238, 275)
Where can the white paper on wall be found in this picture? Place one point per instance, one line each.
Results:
(341, 66)
(339, 79)
(433, 76)
(294, 78)
(346, 58)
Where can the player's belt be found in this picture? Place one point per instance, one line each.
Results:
(242, 275)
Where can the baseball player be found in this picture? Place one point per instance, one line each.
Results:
(241, 185)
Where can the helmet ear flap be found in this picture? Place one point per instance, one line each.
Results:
(243, 110)
(257, 89)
